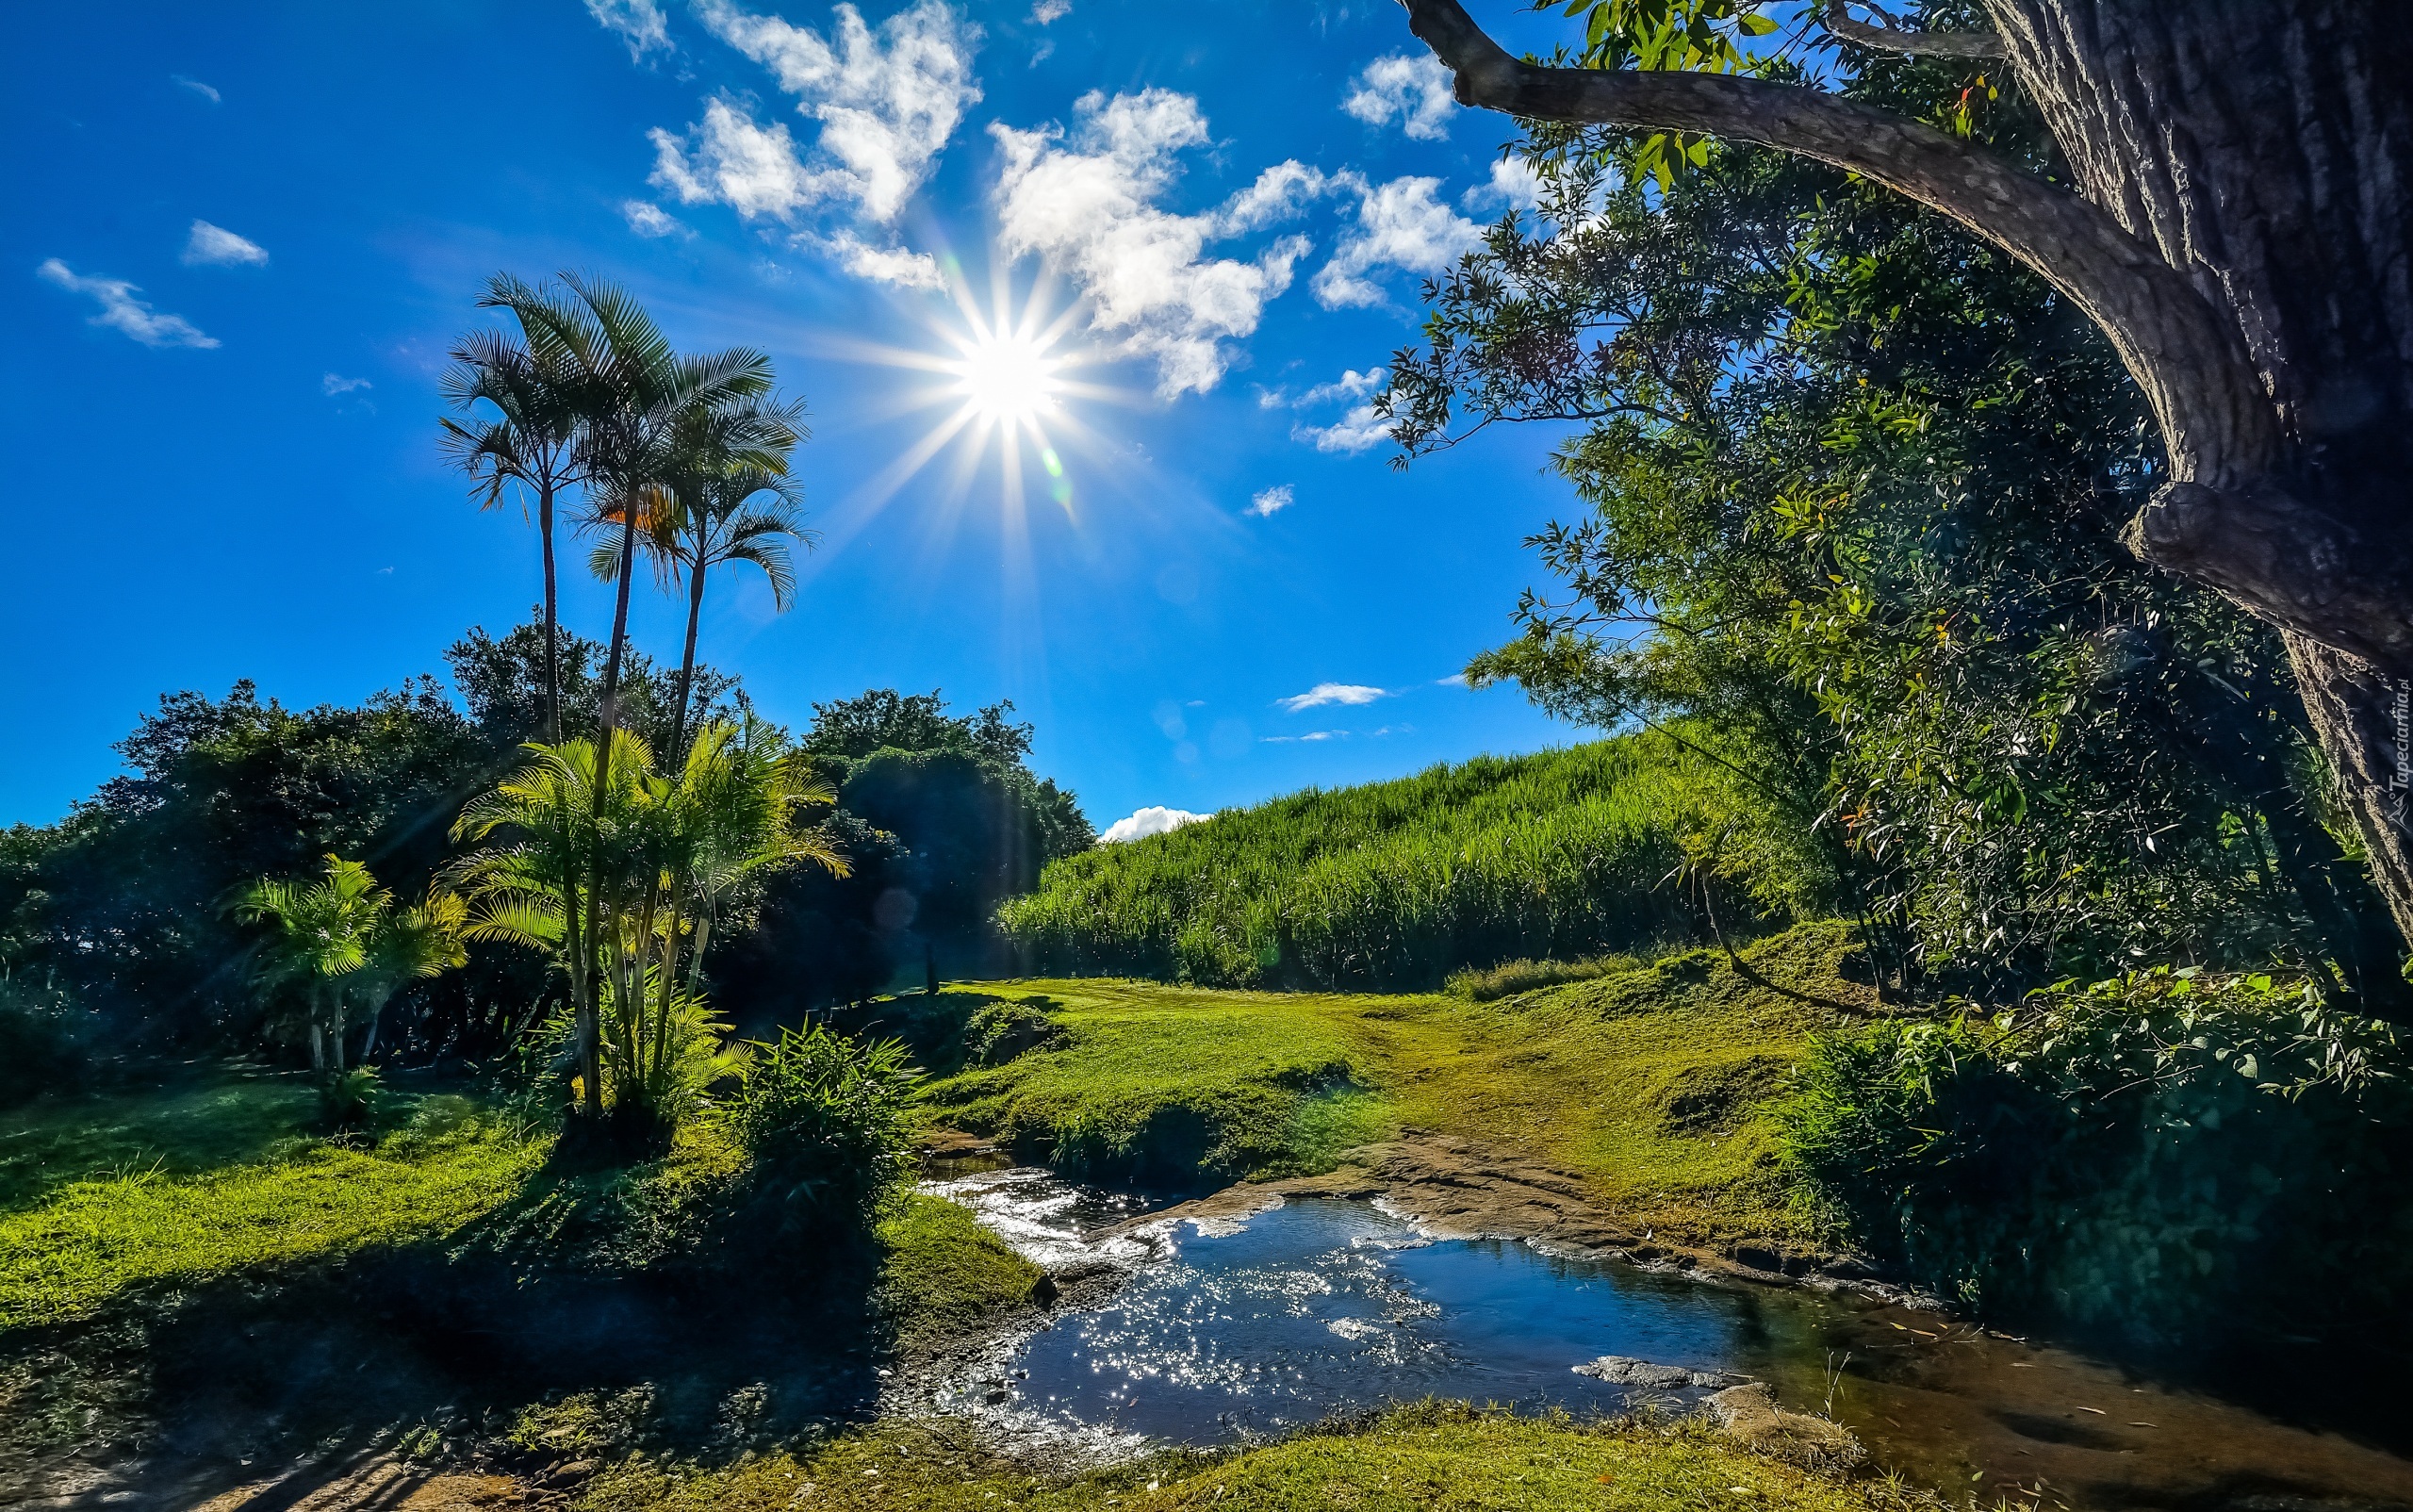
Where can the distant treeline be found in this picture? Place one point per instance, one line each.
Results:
(1394, 885)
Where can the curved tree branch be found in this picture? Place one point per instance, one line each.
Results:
(1891, 39)
(2229, 518)
(2193, 368)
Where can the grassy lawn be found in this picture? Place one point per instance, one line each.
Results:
(1432, 1456)
(945, 1273)
(91, 1241)
(1650, 1081)
(195, 1119)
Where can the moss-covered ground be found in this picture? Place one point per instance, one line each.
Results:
(1415, 1459)
(1651, 1079)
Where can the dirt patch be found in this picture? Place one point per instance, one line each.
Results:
(1462, 1189)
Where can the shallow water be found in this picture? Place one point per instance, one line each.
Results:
(1238, 1330)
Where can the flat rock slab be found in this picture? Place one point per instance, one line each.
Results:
(1620, 1370)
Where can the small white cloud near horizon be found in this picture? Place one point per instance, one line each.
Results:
(1048, 12)
(1154, 819)
(648, 219)
(214, 246)
(1350, 694)
(640, 24)
(1414, 88)
(196, 87)
(335, 383)
(1269, 501)
(121, 311)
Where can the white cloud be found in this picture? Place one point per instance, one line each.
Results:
(648, 219)
(1413, 87)
(1400, 224)
(1086, 199)
(1280, 192)
(121, 311)
(214, 246)
(196, 86)
(1310, 735)
(1349, 384)
(335, 383)
(888, 101)
(886, 265)
(1456, 679)
(1351, 693)
(1271, 500)
(732, 161)
(1361, 429)
(640, 24)
(1048, 12)
(1514, 185)
(1152, 820)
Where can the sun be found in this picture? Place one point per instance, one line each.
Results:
(1006, 377)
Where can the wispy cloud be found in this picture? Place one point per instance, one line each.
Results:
(1410, 88)
(1513, 184)
(1271, 500)
(648, 219)
(121, 311)
(1151, 820)
(887, 101)
(1456, 679)
(196, 87)
(1048, 12)
(1309, 738)
(335, 383)
(640, 24)
(214, 246)
(1361, 429)
(1351, 693)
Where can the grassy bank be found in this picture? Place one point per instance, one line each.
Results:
(1423, 1458)
(1390, 886)
(1651, 1079)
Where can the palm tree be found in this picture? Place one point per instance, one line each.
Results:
(634, 394)
(530, 443)
(716, 513)
(667, 859)
(345, 946)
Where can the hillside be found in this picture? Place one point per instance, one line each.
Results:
(1393, 885)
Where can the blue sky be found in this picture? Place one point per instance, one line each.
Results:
(243, 241)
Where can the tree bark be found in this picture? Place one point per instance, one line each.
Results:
(2240, 231)
(590, 1013)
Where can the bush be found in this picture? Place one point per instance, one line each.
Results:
(826, 1123)
(40, 1048)
(1510, 978)
(2142, 1156)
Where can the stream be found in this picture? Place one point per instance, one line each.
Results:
(1229, 1331)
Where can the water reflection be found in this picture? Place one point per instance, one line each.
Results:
(1323, 1306)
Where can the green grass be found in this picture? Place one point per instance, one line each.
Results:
(196, 1119)
(1653, 1081)
(945, 1273)
(1415, 1459)
(1161, 1083)
(92, 1242)
(1393, 885)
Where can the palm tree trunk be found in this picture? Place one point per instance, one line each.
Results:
(677, 756)
(590, 1051)
(553, 618)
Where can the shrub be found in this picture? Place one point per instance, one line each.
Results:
(1007, 1029)
(2140, 1156)
(1510, 978)
(826, 1123)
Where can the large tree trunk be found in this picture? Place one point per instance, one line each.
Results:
(2265, 149)
(2239, 232)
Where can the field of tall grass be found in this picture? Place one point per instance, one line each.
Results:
(1394, 885)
